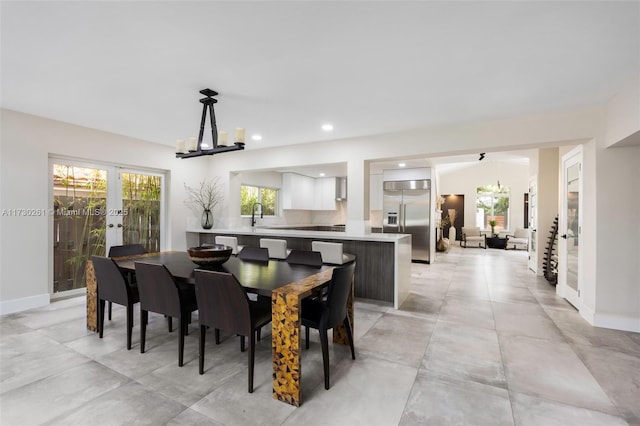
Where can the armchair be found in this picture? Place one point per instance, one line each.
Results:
(519, 239)
(474, 237)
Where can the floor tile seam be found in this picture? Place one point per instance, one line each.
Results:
(69, 411)
(566, 404)
(457, 380)
(510, 391)
(621, 410)
(504, 368)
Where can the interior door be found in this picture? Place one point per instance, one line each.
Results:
(533, 224)
(570, 228)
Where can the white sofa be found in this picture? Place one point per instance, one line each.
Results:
(473, 237)
(519, 239)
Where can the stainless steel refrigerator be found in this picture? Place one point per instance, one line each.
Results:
(407, 210)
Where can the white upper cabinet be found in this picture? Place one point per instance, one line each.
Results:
(301, 192)
(325, 194)
(298, 192)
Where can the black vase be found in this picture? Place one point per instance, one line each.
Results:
(207, 219)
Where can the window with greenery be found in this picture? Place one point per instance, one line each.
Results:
(492, 203)
(249, 195)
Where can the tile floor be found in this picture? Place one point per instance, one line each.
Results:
(479, 341)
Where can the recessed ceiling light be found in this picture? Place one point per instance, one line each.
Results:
(327, 127)
(321, 174)
(256, 137)
(402, 165)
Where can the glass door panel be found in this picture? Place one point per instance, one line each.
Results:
(79, 203)
(570, 228)
(141, 207)
(573, 242)
(533, 224)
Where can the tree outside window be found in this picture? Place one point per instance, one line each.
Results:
(492, 203)
(249, 195)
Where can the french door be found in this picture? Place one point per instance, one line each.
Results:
(97, 206)
(533, 224)
(570, 227)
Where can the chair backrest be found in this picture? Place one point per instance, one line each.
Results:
(521, 233)
(255, 254)
(222, 302)
(112, 285)
(126, 250)
(158, 290)
(338, 294)
(305, 257)
(331, 252)
(277, 248)
(471, 232)
(228, 241)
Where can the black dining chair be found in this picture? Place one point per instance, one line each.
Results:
(256, 254)
(114, 287)
(160, 293)
(305, 257)
(224, 305)
(325, 314)
(126, 250)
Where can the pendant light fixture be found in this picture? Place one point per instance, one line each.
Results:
(195, 147)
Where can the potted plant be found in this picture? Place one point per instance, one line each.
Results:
(206, 197)
(492, 224)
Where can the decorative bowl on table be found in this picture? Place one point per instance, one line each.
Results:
(212, 255)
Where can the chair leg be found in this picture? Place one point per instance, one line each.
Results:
(100, 317)
(144, 317)
(252, 358)
(170, 323)
(129, 325)
(324, 341)
(347, 326)
(241, 343)
(203, 331)
(110, 304)
(182, 331)
(306, 337)
(217, 334)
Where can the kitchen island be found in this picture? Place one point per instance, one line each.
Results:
(383, 261)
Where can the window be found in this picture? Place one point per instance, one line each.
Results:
(267, 197)
(492, 203)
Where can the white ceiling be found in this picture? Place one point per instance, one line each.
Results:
(284, 68)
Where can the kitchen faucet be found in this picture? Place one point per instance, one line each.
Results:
(253, 213)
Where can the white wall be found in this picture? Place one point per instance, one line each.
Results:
(466, 181)
(26, 144)
(623, 116)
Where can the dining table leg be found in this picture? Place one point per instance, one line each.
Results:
(285, 323)
(92, 297)
(286, 302)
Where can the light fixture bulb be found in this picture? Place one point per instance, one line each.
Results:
(327, 127)
(256, 137)
(402, 164)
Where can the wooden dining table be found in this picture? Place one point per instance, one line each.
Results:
(285, 283)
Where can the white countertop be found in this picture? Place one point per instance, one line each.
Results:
(329, 235)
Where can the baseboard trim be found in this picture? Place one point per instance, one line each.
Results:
(617, 322)
(23, 304)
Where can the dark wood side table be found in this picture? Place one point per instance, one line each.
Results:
(496, 242)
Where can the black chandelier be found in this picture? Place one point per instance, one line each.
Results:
(195, 148)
